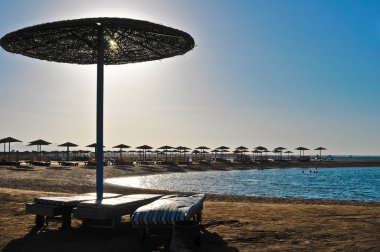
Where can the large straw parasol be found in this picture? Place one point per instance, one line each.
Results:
(302, 149)
(98, 41)
(223, 149)
(320, 151)
(8, 140)
(68, 145)
(241, 150)
(166, 148)
(144, 148)
(39, 143)
(121, 147)
(202, 148)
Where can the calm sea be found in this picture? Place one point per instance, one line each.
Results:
(324, 183)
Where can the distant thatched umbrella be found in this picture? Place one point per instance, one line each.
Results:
(39, 143)
(241, 150)
(144, 148)
(320, 151)
(181, 149)
(196, 152)
(222, 149)
(301, 149)
(93, 146)
(261, 149)
(279, 150)
(8, 140)
(68, 145)
(202, 148)
(166, 148)
(121, 147)
(288, 152)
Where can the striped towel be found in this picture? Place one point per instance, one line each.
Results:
(168, 209)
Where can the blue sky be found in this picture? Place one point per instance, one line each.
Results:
(271, 73)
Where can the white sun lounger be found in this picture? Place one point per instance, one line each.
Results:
(58, 208)
(168, 210)
(108, 212)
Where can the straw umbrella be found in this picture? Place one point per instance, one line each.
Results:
(302, 149)
(202, 148)
(223, 149)
(279, 150)
(183, 149)
(94, 145)
(288, 152)
(144, 148)
(121, 147)
(166, 148)
(242, 150)
(68, 145)
(196, 152)
(261, 149)
(320, 151)
(98, 41)
(8, 140)
(39, 143)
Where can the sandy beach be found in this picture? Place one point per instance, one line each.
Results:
(230, 223)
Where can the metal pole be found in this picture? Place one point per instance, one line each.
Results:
(99, 114)
(68, 153)
(9, 151)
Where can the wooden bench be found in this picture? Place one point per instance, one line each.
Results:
(58, 209)
(108, 212)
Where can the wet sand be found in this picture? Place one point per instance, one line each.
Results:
(231, 223)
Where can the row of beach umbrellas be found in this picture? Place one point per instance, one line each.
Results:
(202, 150)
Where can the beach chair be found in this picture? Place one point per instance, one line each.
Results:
(108, 212)
(58, 208)
(168, 210)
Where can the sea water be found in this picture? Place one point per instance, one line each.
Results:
(323, 183)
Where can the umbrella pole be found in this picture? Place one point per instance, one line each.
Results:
(99, 114)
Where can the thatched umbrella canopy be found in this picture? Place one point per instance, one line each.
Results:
(101, 41)
(280, 150)
(8, 140)
(242, 150)
(288, 152)
(68, 145)
(121, 147)
(166, 148)
(261, 149)
(302, 149)
(202, 148)
(39, 143)
(223, 149)
(144, 148)
(182, 149)
(320, 151)
(94, 145)
(215, 152)
(196, 152)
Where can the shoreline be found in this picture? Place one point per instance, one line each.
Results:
(81, 179)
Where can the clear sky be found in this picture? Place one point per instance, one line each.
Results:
(271, 73)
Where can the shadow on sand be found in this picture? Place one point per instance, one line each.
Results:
(123, 239)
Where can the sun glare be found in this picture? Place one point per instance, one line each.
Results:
(113, 45)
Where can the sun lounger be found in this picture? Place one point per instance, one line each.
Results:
(58, 208)
(68, 163)
(168, 210)
(41, 163)
(10, 163)
(108, 213)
